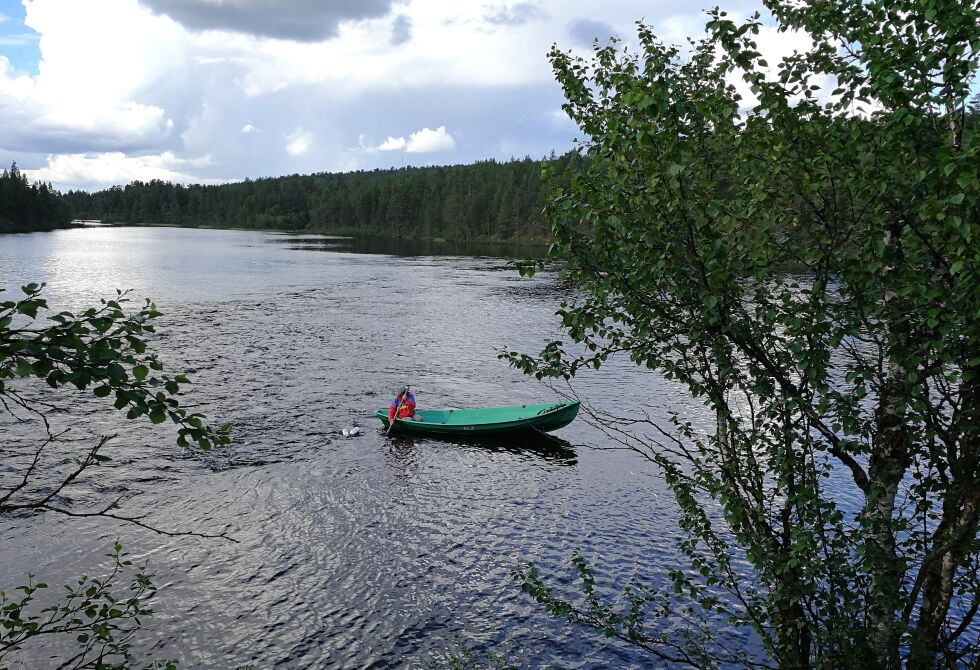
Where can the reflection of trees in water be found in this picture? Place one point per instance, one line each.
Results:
(411, 247)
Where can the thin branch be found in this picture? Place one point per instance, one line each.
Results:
(30, 470)
(135, 520)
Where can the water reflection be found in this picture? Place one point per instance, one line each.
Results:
(408, 247)
(537, 445)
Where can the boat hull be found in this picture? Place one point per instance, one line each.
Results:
(487, 421)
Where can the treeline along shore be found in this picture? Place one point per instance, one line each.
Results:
(488, 200)
(25, 206)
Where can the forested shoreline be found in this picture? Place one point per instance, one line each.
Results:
(25, 206)
(484, 200)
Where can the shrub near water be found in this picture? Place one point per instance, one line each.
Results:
(860, 381)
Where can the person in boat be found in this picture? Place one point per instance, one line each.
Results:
(404, 404)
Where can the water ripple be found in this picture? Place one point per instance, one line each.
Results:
(370, 552)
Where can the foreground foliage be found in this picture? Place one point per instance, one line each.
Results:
(104, 351)
(93, 614)
(831, 505)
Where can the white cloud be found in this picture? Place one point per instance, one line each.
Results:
(298, 142)
(512, 15)
(115, 77)
(105, 169)
(14, 86)
(421, 142)
(85, 96)
(426, 141)
(774, 47)
(393, 144)
(445, 49)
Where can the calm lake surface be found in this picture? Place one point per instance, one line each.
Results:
(369, 552)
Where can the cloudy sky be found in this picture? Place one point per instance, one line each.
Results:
(101, 92)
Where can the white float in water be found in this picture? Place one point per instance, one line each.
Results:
(351, 432)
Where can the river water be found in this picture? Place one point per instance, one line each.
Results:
(372, 551)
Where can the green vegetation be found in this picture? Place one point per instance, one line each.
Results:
(832, 510)
(93, 613)
(25, 206)
(461, 656)
(102, 350)
(486, 200)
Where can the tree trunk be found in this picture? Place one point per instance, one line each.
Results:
(794, 638)
(883, 573)
(957, 527)
(889, 461)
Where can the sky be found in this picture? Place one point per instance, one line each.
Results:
(101, 92)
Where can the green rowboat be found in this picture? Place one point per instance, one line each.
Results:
(487, 420)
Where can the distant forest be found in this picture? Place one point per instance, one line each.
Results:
(485, 200)
(25, 206)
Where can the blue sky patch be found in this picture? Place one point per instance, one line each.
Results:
(18, 43)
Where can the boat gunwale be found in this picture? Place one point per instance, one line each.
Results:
(470, 428)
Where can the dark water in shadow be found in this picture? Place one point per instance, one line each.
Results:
(412, 247)
(368, 552)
